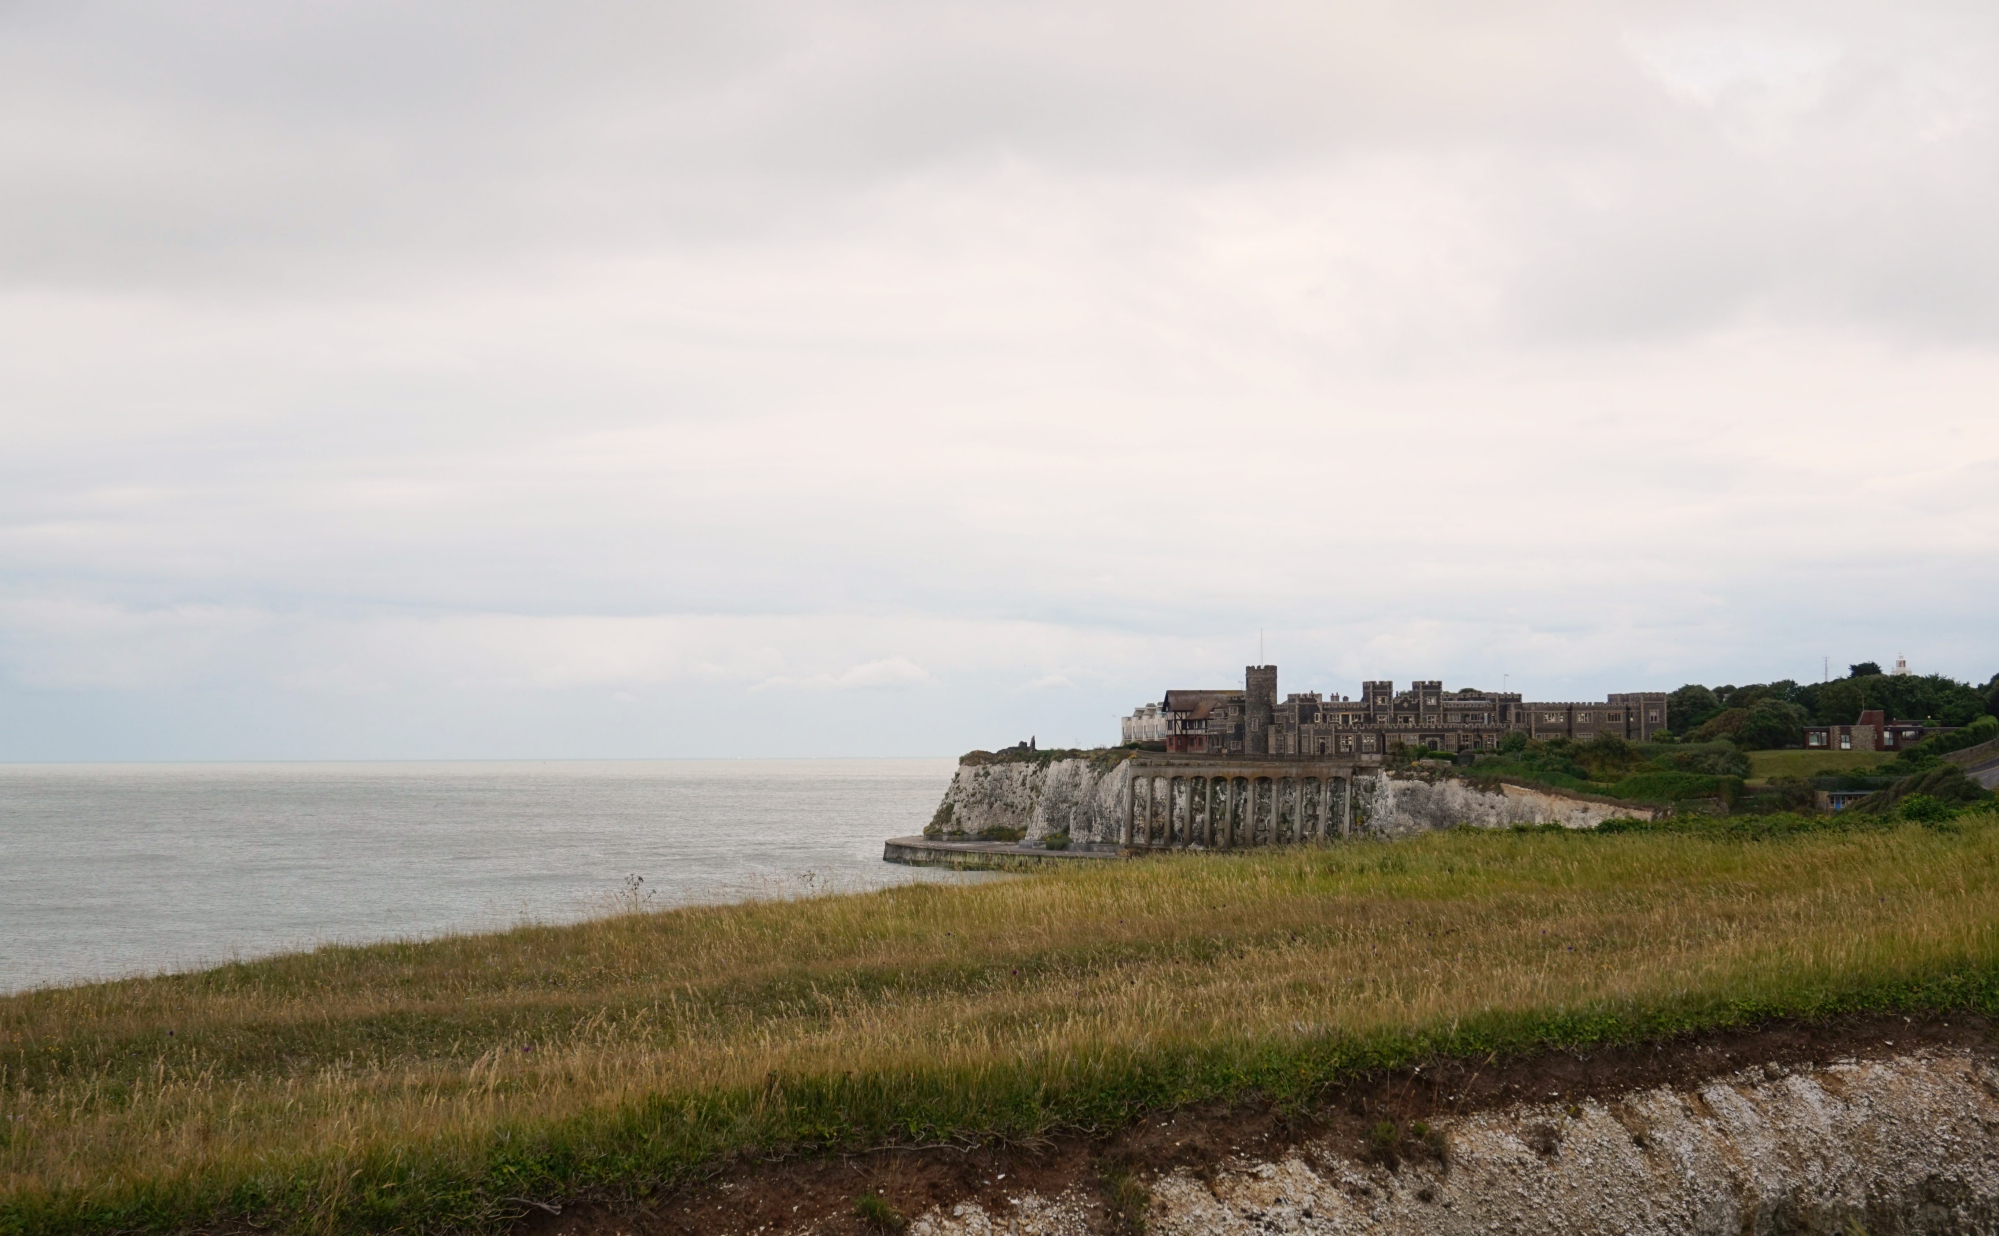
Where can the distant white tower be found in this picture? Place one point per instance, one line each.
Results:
(1901, 665)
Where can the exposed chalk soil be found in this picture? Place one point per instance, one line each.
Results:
(1869, 1125)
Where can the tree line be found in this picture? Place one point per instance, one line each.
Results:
(1774, 714)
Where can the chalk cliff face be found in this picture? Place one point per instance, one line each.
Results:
(1085, 797)
(1395, 805)
(1082, 797)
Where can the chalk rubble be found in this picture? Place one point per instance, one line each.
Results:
(1908, 1143)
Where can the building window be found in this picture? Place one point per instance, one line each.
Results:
(1846, 742)
(1582, 717)
(1816, 740)
(1887, 738)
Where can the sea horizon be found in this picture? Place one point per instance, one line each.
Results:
(113, 869)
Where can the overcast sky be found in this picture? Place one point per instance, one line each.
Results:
(508, 380)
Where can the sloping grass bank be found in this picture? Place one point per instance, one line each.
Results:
(429, 1087)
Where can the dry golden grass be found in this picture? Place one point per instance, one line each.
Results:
(307, 1090)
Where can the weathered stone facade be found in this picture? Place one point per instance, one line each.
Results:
(1253, 721)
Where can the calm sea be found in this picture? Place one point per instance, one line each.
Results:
(110, 870)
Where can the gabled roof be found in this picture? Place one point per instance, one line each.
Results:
(1197, 704)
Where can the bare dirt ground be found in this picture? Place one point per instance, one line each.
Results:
(1192, 1170)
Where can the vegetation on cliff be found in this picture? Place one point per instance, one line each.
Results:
(449, 1085)
(1101, 757)
(1611, 767)
(1715, 774)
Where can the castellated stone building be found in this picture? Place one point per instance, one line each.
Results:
(1253, 721)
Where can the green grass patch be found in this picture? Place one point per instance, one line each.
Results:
(426, 1087)
(1768, 765)
(1667, 787)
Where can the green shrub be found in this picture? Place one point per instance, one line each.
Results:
(1382, 1141)
(1608, 757)
(1945, 783)
(873, 1209)
(1984, 729)
(1717, 759)
(1925, 810)
(1044, 756)
(1794, 793)
(1765, 724)
(1001, 832)
(1056, 841)
(1687, 707)
(1667, 787)
(1746, 827)
(1128, 1200)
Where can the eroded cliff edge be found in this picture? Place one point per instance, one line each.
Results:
(1868, 1124)
(1902, 1144)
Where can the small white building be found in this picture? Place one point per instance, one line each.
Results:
(1145, 724)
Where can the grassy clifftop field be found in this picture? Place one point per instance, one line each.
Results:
(445, 1085)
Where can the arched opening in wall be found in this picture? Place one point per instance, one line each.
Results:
(1322, 746)
(1197, 810)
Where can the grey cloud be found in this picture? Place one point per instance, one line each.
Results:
(474, 355)
(318, 145)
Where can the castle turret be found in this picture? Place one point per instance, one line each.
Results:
(1260, 700)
